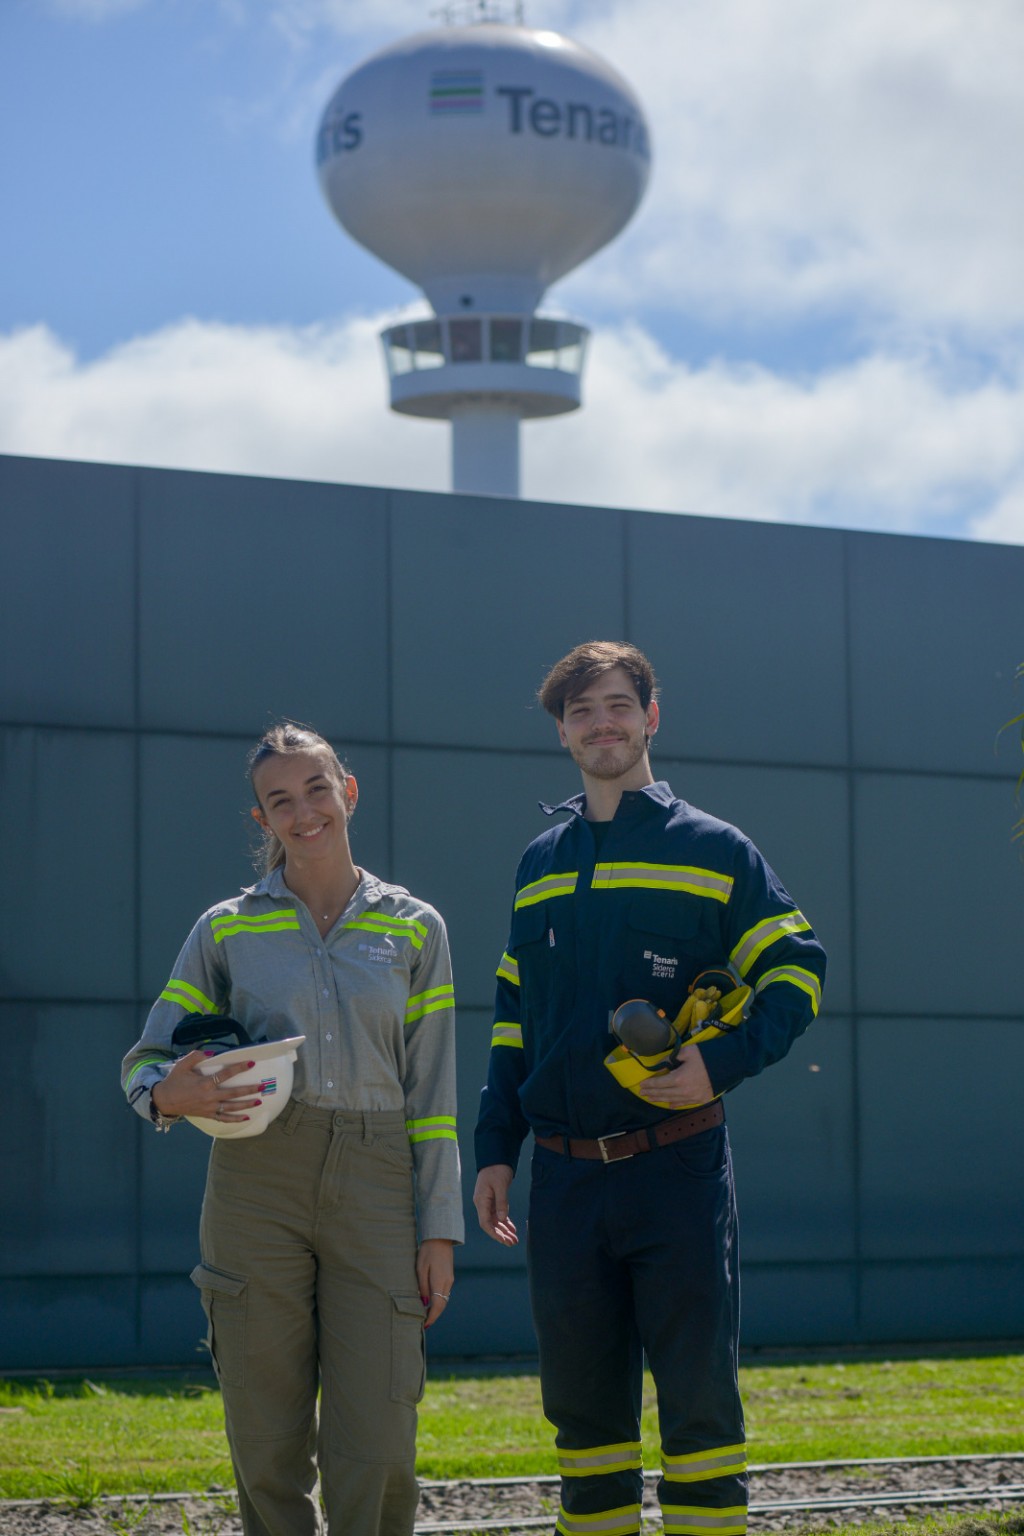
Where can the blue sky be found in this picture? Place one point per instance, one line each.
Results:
(817, 314)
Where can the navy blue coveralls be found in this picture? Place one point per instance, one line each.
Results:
(637, 1256)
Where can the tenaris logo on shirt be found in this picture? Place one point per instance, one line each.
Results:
(383, 954)
(662, 965)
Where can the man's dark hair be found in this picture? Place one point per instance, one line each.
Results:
(574, 674)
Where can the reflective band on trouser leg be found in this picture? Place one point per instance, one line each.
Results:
(693, 1474)
(698, 1466)
(698, 1519)
(624, 1521)
(626, 1457)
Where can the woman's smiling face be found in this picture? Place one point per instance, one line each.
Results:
(305, 801)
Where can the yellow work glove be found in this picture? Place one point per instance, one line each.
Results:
(706, 1014)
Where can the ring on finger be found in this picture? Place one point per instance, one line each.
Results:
(441, 1294)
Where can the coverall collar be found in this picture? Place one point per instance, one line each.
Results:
(660, 793)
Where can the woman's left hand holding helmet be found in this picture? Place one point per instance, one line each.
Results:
(435, 1271)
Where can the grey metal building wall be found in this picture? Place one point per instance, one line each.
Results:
(837, 695)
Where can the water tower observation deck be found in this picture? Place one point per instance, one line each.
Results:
(484, 162)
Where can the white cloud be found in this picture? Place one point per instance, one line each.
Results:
(1003, 523)
(811, 160)
(813, 156)
(885, 444)
(307, 404)
(813, 163)
(299, 21)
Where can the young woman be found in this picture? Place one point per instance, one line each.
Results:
(313, 1277)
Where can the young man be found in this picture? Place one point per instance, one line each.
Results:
(632, 1221)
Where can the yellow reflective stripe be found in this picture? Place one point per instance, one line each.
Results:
(722, 1461)
(429, 1002)
(403, 927)
(438, 1128)
(694, 1519)
(257, 919)
(156, 1059)
(225, 918)
(551, 885)
(507, 1034)
(601, 1458)
(757, 939)
(663, 877)
(797, 977)
(191, 996)
(508, 970)
(624, 1521)
(240, 922)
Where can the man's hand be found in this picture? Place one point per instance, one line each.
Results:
(491, 1200)
(685, 1086)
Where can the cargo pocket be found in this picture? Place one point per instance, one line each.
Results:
(408, 1351)
(223, 1298)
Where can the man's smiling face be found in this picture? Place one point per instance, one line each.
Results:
(606, 728)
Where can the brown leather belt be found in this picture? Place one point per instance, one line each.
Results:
(622, 1144)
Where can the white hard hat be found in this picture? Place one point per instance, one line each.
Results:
(270, 1075)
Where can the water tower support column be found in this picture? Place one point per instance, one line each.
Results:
(485, 448)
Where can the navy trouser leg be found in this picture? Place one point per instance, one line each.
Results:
(591, 1361)
(689, 1325)
(641, 1253)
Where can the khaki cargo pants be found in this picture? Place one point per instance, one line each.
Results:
(308, 1280)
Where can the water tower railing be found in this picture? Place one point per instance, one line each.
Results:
(469, 13)
(539, 342)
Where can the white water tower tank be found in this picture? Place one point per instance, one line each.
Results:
(484, 162)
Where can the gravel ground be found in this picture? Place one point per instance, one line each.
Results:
(444, 1505)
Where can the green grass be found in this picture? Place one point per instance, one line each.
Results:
(933, 1525)
(78, 1439)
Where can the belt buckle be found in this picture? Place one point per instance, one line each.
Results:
(613, 1137)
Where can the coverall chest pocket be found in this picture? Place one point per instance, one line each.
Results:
(666, 942)
(543, 946)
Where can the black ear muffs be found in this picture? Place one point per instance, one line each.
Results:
(643, 1029)
(198, 1030)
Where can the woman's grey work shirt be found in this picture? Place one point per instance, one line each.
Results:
(374, 1000)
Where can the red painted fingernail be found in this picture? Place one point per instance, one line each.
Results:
(209, 1053)
(250, 1063)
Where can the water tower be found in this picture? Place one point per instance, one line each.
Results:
(483, 161)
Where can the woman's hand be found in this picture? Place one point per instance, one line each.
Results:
(435, 1271)
(187, 1091)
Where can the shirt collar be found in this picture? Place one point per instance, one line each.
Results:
(659, 793)
(368, 892)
